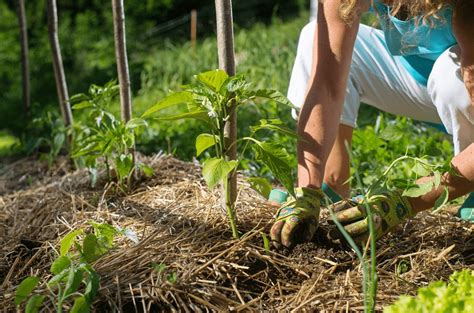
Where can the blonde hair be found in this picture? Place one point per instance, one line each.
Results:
(423, 9)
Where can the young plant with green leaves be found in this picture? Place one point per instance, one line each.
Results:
(74, 282)
(104, 140)
(47, 135)
(209, 100)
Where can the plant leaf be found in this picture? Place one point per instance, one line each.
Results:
(418, 190)
(215, 170)
(204, 141)
(68, 240)
(275, 125)
(25, 288)
(420, 170)
(34, 303)
(391, 133)
(277, 159)
(123, 164)
(213, 79)
(261, 185)
(437, 179)
(147, 170)
(60, 264)
(198, 115)
(273, 95)
(182, 97)
(266, 242)
(441, 201)
(80, 305)
(73, 281)
(91, 249)
(158, 267)
(92, 285)
(135, 123)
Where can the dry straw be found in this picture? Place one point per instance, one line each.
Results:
(180, 224)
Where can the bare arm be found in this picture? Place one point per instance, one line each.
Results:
(319, 118)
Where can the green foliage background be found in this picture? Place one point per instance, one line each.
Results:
(266, 39)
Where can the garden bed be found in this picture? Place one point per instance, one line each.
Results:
(182, 229)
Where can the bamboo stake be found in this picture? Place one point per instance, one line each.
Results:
(58, 67)
(225, 47)
(25, 64)
(193, 28)
(122, 60)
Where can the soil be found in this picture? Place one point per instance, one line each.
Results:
(179, 223)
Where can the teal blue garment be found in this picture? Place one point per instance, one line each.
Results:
(416, 44)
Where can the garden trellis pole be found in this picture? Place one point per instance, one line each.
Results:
(121, 59)
(225, 47)
(58, 67)
(25, 64)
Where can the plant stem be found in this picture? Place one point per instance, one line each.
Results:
(230, 210)
(370, 281)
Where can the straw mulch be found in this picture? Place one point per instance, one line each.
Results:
(180, 224)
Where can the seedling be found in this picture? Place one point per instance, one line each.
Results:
(105, 140)
(209, 100)
(74, 279)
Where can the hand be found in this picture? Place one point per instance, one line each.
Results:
(389, 209)
(298, 218)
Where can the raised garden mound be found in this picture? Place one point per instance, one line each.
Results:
(179, 223)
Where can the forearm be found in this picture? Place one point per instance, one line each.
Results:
(319, 118)
(460, 183)
(317, 126)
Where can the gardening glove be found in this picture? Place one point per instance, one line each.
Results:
(389, 209)
(297, 220)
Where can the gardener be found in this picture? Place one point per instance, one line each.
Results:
(420, 65)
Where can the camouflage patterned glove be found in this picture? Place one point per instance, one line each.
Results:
(297, 220)
(389, 209)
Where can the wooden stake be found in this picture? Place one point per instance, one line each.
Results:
(25, 64)
(122, 60)
(225, 47)
(58, 67)
(193, 28)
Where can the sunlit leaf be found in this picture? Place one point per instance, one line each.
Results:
(173, 99)
(204, 141)
(391, 133)
(198, 115)
(275, 125)
(420, 169)
(136, 122)
(213, 79)
(60, 264)
(215, 170)
(272, 95)
(68, 240)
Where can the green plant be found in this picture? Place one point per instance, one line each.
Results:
(47, 135)
(73, 277)
(209, 100)
(456, 296)
(104, 139)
